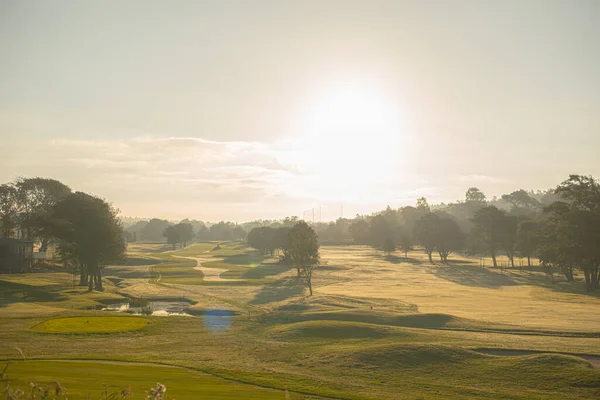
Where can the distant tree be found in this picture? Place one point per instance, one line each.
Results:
(304, 252)
(282, 242)
(89, 232)
(128, 236)
(522, 203)
(263, 239)
(172, 235)
(405, 244)
(388, 246)
(425, 232)
(185, 231)
(360, 231)
(153, 231)
(222, 231)
(528, 238)
(379, 231)
(509, 237)
(448, 237)
(488, 230)
(202, 233)
(239, 233)
(423, 205)
(474, 195)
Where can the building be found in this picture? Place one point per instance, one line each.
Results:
(16, 255)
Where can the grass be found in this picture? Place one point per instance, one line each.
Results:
(80, 378)
(376, 328)
(92, 324)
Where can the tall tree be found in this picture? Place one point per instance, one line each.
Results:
(488, 229)
(359, 230)
(89, 233)
(304, 252)
(388, 246)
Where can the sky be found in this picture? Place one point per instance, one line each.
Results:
(238, 110)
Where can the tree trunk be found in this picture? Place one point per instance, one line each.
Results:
(429, 255)
(588, 280)
(298, 269)
(528, 261)
(405, 254)
(310, 287)
(512, 260)
(99, 281)
(493, 253)
(44, 244)
(83, 275)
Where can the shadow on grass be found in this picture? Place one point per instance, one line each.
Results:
(265, 270)
(279, 291)
(17, 292)
(471, 276)
(394, 259)
(128, 273)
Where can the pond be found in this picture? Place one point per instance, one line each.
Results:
(156, 308)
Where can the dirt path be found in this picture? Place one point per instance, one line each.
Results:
(210, 274)
(594, 360)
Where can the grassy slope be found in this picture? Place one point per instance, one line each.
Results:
(338, 344)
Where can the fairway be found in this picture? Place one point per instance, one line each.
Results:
(92, 324)
(83, 378)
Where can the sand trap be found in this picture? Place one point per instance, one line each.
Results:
(210, 274)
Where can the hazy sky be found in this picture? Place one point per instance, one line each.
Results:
(260, 109)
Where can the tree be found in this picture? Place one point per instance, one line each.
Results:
(527, 238)
(172, 235)
(360, 231)
(282, 241)
(425, 233)
(388, 246)
(239, 233)
(488, 229)
(448, 237)
(379, 231)
(571, 236)
(153, 231)
(522, 204)
(37, 197)
(509, 238)
(263, 239)
(185, 232)
(474, 195)
(9, 214)
(304, 252)
(89, 233)
(405, 244)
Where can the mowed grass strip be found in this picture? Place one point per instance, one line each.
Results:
(83, 378)
(92, 324)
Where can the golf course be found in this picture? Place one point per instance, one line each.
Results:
(376, 327)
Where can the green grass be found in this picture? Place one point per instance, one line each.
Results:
(80, 378)
(92, 324)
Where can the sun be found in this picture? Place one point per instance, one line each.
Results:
(349, 131)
